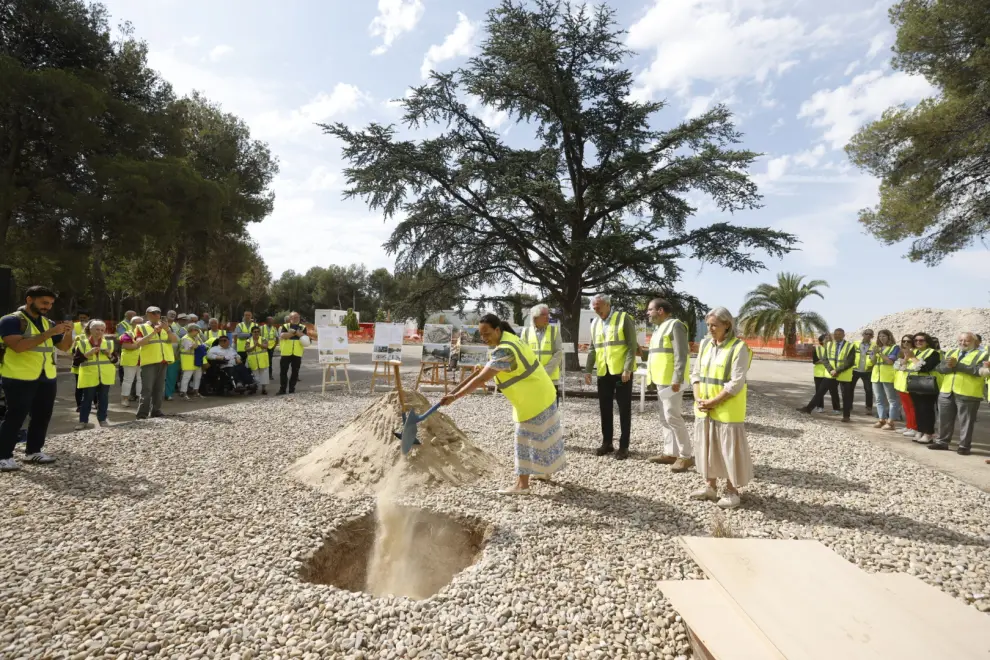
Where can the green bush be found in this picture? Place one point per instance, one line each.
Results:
(351, 321)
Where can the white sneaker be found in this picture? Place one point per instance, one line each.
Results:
(40, 457)
(819, 410)
(84, 427)
(104, 424)
(729, 501)
(908, 433)
(918, 435)
(9, 465)
(707, 493)
(126, 403)
(836, 412)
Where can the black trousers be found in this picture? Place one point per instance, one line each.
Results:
(924, 412)
(867, 378)
(78, 392)
(271, 363)
(243, 356)
(26, 397)
(611, 387)
(821, 386)
(847, 397)
(294, 361)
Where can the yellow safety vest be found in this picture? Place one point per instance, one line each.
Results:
(187, 356)
(716, 371)
(836, 358)
(213, 335)
(864, 360)
(32, 363)
(544, 351)
(883, 372)
(270, 334)
(820, 370)
(257, 358)
(609, 341)
(96, 370)
(290, 347)
(157, 350)
(660, 361)
(244, 327)
(527, 386)
(960, 383)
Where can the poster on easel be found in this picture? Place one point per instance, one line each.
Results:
(332, 343)
(436, 343)
(388, 343)
(474, 351)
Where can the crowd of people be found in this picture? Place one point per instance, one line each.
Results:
(914, 381)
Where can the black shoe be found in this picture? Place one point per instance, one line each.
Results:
(846, 420)
(622, 454)
(604, 449)
(292, 391)
(964, 451)
(806, 411)
(937, 445)
(280, 393)
(157, 414)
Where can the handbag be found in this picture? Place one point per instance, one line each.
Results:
(919, 384)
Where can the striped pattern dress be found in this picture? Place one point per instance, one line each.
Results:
(540, 440)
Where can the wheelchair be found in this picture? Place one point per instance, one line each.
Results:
(218, 381)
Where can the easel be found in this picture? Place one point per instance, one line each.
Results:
(467, 372)
(389, 370)
(434, 377)
(334, 377)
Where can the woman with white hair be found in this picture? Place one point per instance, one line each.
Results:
(719, 380)
(544, 340)
(97, 364)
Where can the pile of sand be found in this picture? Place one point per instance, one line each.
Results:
(945, 324)
(365, 454)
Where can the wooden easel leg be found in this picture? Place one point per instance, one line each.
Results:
(445, 380)
(323, 389)
(398, 387)
(374, 372)
(347, 375)
(419, 378)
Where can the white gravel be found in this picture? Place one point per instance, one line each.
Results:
(945, 324)
(183, 537)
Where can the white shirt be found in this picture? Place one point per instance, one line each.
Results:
(220, 353)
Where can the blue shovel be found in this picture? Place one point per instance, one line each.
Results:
(411, 421)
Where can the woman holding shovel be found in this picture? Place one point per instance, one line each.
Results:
(521, 377)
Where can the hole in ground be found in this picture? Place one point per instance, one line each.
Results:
(400, 550)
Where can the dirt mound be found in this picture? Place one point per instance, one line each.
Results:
(946, 324)
(365, 454)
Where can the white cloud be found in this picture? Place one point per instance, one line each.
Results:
(458, 43)
(219, 52)
(342, 100)
(876, 44)
(699, 105)
(777, 167)
(843, 110)
(852, 67)
(777, 124)
(394, 17)
(811, 157)
(717, 41)
(192, 41)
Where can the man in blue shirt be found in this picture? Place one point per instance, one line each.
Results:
(30, 391)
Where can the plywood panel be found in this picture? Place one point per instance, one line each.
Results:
(947, 616)
(813, 605)
(717, 621)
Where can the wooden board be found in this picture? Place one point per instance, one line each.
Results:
(812, 604)
(717, 622)
(933, 607)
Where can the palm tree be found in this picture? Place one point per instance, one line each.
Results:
(770, 311)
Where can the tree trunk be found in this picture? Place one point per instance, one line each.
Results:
(99, 279)
(790, 340)
(173, 282)
(7, 173)
(570, 332)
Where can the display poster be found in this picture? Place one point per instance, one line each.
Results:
(388, 342)
(436, 343)
(332, 343)
(474, 352)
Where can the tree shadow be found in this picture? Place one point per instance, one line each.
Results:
(84, 477)
(773, 431)
(833, 515)
(650, 514)
(805, 479)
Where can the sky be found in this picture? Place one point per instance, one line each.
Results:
(800, 76)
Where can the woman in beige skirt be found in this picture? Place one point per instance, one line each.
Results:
(718, 377)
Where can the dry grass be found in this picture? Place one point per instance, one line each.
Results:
(721, 529)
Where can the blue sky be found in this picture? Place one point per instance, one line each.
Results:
(800, 75)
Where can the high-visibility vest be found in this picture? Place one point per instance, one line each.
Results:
(660, 361)
(130, 358)
(157, 350)
(257, 357)
(900, 381)
(213, 335)
(527, 386)
(32, 363)
(609, 341)
(96, 370)
(187, 356)
(864, 359)
(78, 330)
(918, 357)
(544, 351)
(836, 358)
(960, 383)
(716, 371)
(270, 334)
(290, 347)
(820, 370)
(883, 372)
(244, 327)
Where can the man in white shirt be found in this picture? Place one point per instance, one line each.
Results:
(222, 350)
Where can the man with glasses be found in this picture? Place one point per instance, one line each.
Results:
(863, 368)
(960, 394)
(839, 360)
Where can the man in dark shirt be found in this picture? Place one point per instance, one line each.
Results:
(28, 374)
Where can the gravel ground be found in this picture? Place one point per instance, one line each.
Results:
(183, 537)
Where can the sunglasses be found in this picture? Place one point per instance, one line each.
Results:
(920, 340)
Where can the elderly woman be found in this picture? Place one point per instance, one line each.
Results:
(886, 395)
(256, 349)
(97, 364)
(130, 362)
(527, 386)
(719, 380)
(921, 359)
(192, 374)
